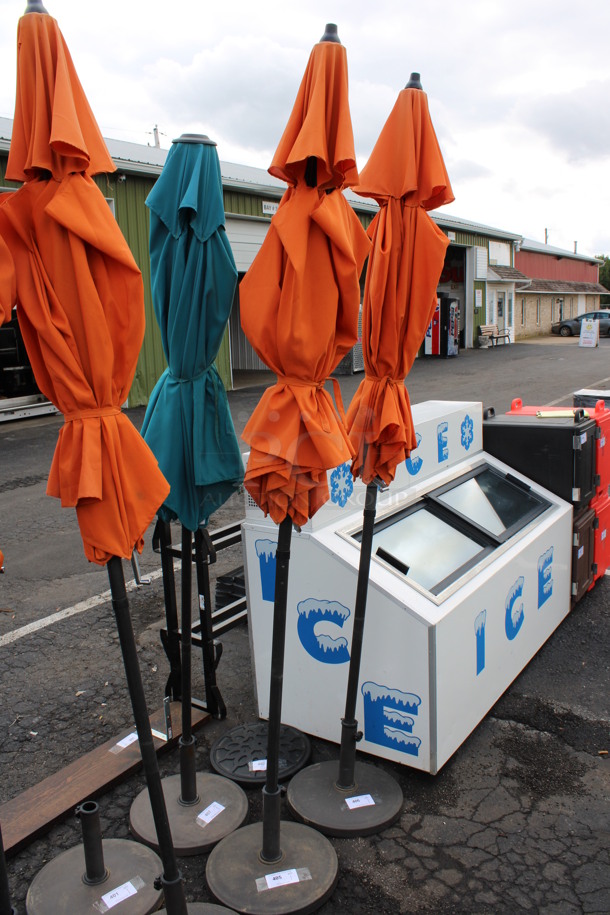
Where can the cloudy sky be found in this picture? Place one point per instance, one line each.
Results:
(518, 89)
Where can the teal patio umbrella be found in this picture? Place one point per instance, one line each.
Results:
(187, 424)
(189, 428)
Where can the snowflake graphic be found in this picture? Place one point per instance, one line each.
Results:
(341, 484)
(467, 432)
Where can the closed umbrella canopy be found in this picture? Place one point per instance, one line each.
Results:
(301, 296)
(406, 175)
(8, 286)
(188, 424)
(80, 294)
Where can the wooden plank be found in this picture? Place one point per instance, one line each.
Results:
(35, 810)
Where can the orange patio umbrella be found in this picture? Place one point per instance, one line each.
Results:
(81, 311)
(81, 299)
(406, 175)
(300, 298)
(299, 309)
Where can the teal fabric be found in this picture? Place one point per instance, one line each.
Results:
(187, 424)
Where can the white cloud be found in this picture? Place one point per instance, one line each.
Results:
(517, 89)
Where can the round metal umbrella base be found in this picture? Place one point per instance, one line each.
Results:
(202, 908)
(241, 753)
(221, 808)
(301, 881)
(374, 802)
(131, 871)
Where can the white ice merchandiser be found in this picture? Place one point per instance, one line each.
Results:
(470, 575)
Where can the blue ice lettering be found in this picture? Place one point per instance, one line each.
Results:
(479, 631)
(514, 609)
(545, 579)
(265, 550)
(443, 444)
(414, 463)
(388, 717)
(321, 645)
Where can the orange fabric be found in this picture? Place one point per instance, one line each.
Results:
(406, 175)
(54, 129)
(81, 313)
(8, 287)
(300, 300)
(407, 161)
(320, 124)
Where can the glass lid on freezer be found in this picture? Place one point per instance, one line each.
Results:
(426, 548)
(495, 502)
(451, 529)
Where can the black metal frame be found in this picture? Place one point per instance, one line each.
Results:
(212, 623)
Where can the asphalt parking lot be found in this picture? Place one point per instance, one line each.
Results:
(516, 821)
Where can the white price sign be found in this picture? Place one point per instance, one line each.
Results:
(282, 878)
(119, 895)
(210, 813)
(361, 800)
(125, 742)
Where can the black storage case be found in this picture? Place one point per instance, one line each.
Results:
(557, 452)
(583, 550)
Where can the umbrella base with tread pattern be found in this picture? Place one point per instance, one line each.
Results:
(233, 753)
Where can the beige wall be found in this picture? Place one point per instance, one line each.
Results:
(531, 328)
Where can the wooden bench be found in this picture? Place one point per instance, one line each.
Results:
(491, 333)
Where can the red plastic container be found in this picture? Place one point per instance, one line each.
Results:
(601, 532)
(601, 414)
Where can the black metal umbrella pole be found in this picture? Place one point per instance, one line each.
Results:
(349, 725)
(268, 855)
(188, 778)
(162, 543)
(201, 808)
(211, 650)
(359, 799)
(272, 791)
(171, 879)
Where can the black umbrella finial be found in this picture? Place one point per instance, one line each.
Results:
(331, 33)
(194, 138)
(414, 82)
(35, 6)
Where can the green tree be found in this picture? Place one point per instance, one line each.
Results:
(604, 277)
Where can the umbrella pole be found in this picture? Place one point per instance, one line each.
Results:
(349, 726)
(5, 899)
(169, 639)
(211, 653)
(305, 858)
(171, 878)
(188, 778)
(361, 799)
(272, 792)
(190, 795)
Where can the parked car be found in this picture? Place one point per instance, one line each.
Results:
(571, 326)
